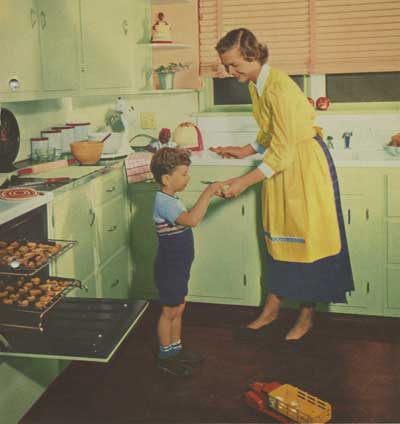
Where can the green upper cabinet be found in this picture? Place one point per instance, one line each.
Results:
(59, 41)
(107, 43)
(19, 46)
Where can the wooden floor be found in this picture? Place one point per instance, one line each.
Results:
(352, 362)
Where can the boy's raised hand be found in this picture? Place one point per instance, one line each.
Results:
(215, 189)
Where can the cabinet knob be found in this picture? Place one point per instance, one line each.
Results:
(43, 21)
(113, 228)
(110, 189)
(33, 17)
(115, 283)
(93, 214)
(125, 26)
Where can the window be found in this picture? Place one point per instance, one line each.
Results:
(228, 91)
(365, 87)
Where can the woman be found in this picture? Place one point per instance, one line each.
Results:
(307, 255)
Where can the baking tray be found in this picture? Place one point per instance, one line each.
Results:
(31, 316)
(22, 270)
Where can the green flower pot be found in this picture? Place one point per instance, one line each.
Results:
(166, 80)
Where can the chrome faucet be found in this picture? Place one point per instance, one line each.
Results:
(347, 138)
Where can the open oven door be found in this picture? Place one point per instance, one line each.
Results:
(77, 329)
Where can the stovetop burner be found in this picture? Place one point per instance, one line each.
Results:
(40, 184)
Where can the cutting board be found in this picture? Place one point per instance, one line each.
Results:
(70, 171)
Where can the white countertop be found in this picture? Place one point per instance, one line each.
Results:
(10, 209)
(342, 158)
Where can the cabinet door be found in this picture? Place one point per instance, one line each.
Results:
(107, 42)
(74, 219)
(143, 243)
(217, 273)
(20, 47)
(112, 234)
(361, 232)
(114, 277)
(59, 32)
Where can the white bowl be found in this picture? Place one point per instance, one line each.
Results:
(392, 150)
(112, 144)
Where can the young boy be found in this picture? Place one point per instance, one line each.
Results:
(170, 167)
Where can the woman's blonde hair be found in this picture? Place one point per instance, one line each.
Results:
(247, 43)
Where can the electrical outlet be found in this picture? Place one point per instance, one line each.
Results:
(148, 120)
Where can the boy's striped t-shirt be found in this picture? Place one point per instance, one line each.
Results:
(166, 210)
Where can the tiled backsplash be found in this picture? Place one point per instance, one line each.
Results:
(370, 131)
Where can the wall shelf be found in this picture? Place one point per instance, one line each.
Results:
(167, 46)
(154, 2)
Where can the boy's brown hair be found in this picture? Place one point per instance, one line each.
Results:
(166, 159)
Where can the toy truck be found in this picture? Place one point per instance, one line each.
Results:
(287, 403)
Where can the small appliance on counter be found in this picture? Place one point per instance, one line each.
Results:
(187, 135)
(9, 140)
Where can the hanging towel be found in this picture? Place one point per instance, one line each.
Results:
(137, 166)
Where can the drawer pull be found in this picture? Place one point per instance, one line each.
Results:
(368, 287)
(111, 189)
(93, 217)
(349, 216)
(367, 214)
(113, 228)
(115, 283)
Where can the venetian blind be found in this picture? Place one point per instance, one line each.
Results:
(355, 36)
(284, 25)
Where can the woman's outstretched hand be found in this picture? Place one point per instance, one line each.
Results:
(232, 188)
(229, 152)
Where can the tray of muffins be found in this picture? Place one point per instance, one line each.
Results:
(24, 301)
(27, 257)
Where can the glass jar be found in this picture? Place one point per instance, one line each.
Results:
(39, 149)
(67, 137)
(81, 130)
(54, 137)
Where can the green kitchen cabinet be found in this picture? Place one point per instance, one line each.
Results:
(392, 253)
(107, 43)
(59, 42)
(22, 382)
(73, 218)
(20, 46)
(227, 265)
(362, 206)
(114, 275)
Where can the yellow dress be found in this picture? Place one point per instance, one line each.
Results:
(299, 214)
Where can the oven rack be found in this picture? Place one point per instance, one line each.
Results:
(29, 272)
(33, 318)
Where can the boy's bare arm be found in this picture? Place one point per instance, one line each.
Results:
(196, 214)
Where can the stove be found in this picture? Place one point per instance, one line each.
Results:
(40, 184)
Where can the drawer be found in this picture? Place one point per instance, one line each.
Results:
(114, 277)
(111, 228)
(393, 235)
(393, 195)
(108, 186)
(393, 287)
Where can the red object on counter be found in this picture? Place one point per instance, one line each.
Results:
(323, 103)
(46, 166)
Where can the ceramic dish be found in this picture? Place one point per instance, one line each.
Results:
(392, 150)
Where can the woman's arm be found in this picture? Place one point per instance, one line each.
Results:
(234, 152)
(235, 186)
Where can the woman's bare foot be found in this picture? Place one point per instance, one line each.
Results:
(303, 324)
(269, 313)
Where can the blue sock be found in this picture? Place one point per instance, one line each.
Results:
(176, 347)
(165, 352)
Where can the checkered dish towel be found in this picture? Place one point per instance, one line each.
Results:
(137, 166)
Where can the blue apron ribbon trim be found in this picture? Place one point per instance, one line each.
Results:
(284, 238)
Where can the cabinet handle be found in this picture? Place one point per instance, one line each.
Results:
(110, 190)
(113, 228)
(115, 283)
(368, 287)
(349, 216)
(244, 280)
(43, 19)
(33, 17)
(367, 214)
(125, 26)
(91, 211)
(243, 210)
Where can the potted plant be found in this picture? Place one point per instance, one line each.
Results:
(113, 119)
(166, 74)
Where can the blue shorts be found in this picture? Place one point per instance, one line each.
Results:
(172, 267)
